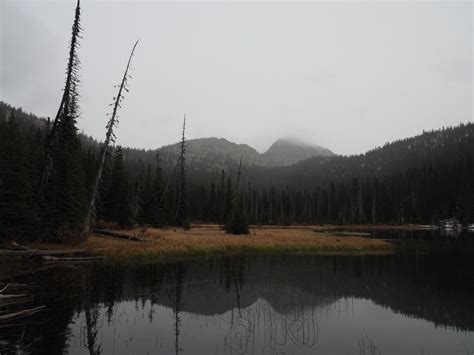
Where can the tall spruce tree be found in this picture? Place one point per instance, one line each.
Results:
(182, 211)
(68, 100)
(61, 189)
(65, 193)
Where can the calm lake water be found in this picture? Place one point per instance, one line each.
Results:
(416, 301)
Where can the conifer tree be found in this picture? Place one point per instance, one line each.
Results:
(68, 100)
(16, 205)
(146, 199)
(182, 211)
(116, 205)
(238, 223)
(135, 202)
(229, 200)
(66, 193)
(222, 198)
(158, 207)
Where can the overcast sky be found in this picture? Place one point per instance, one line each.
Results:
(348, 76)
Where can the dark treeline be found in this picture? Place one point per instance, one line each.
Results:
(417, 180)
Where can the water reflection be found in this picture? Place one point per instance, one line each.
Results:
(402, 303)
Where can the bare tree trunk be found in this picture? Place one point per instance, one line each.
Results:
(109, 137)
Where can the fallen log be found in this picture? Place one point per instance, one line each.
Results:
(17, 246)
(54, 258)
(34, 252)
(118, 235)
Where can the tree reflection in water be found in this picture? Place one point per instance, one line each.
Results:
(258, 305)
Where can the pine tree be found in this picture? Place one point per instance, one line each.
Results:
(229, 200)
(158, 207)
(116, 205)
(182, 211)
(16, 204)
(68, 101)
(65, 193)
(222, 198)
(238, 223)
(146, 199)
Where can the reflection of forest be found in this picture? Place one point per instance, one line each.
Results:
(273, 289)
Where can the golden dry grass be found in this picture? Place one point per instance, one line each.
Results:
(202, 240)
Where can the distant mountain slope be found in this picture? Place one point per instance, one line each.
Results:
(286, 152)
(216, 150)
(428, 150)
(203, 153)
(207, 156)
(220, 151)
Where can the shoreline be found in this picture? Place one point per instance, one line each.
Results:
(203, 241)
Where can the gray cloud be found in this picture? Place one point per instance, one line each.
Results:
(348, 76)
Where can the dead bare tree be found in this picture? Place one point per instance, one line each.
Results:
(239, 173)
(109, 138)
(68, 98)
(237, 223)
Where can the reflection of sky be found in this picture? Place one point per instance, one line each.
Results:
(339, 328)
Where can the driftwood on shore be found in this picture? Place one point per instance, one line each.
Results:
(77, 258)
(47, 255)
(118, 235)
(34, 252)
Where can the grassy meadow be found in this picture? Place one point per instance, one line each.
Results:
(211, 240)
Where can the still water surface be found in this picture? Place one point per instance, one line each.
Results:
(412, 302)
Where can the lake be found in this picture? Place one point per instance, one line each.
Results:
(419, 300)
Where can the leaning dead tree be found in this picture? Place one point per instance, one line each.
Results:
(239, 173)
(68, 99)
(109, 138)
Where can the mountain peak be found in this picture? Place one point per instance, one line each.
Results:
(287, 151)
(284, 151)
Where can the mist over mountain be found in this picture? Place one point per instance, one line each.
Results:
(290, 151)
(220, 151)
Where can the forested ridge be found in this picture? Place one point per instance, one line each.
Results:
(422, 179)
(56, 184)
